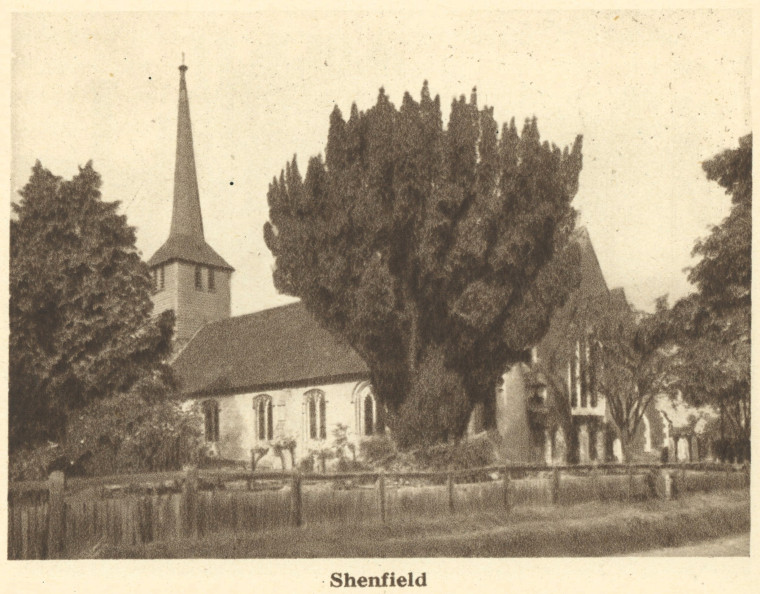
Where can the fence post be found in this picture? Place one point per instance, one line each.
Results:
(450, 487)
(56, 536)
(145, 516)
(295, 499)
(507, 491)
(675, 486)
(189, 503)
(381, 494)
(555, 485)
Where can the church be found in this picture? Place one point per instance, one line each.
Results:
(277, 375)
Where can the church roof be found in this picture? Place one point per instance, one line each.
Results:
(186, 241)
(266, 350)
(618, 298)
(189, 249)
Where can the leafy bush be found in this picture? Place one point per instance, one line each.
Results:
(470, 453)
(134, 432)
(306, 464)
(381, 452)
(378, 450)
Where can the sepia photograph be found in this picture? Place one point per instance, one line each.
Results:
(379, 284)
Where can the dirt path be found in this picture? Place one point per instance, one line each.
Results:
(733, 546)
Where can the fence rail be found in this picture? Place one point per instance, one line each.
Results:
(67, 518)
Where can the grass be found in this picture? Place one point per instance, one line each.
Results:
(586, 529)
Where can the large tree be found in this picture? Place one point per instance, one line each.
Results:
(711, 327)
(80, 307)
(629, 373)
(439, 253)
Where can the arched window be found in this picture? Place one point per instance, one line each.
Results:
(574, 376)
(369, 414)
(211, 420)
(368, 421)
(263, 414)
(316, 414)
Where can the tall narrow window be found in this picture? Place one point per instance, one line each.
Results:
(211, 280)
(161, 277)
(583, 372)
(316, 412)
(592, 373)
(312, 419)
(199, 278)
(322, 420)
(369, 415)
(263, 409)
(211, 419)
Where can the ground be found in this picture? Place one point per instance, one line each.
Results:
(732, 546)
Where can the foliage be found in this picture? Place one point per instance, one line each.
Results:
(468, 453)
(711, 327)
(429, 248)
(131, 432)
(378, 450)
(257, 454)
(629, 374)
(282, 445)
(345, 451)
(615, 365)
(80, 325)
(475, 452)
(322, 455)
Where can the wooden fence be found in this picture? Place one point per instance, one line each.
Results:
(61, 518)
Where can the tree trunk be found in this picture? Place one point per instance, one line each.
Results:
(625, 448)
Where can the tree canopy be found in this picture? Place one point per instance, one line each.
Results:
(80, 307)
(711, 327)
(631, 374)
(438, 253)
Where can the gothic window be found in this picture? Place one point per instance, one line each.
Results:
(369, 414)
(263, 413)
(211, 281)
(575, 376)
(199, 278)
(316, 409)
(211, 418)
(593, 378)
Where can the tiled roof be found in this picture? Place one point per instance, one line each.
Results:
(274, 348)
(189, 249)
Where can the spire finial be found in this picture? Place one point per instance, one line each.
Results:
(183, 68)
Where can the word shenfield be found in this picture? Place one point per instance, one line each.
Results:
(387, 580)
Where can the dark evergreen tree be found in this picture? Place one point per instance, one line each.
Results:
(438, 253)
(80, 308)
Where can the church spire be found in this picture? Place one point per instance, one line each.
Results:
(186, 241)
(186, 212)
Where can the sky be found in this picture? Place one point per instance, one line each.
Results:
(653, 93)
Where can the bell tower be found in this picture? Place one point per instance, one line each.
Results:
(188, 275)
